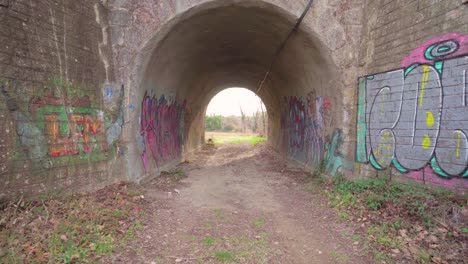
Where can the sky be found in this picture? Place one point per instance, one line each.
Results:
(226, 102)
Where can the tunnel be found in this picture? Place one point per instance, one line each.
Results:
(218, 45)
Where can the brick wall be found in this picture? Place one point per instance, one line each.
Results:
(412, 116)
(54, 129)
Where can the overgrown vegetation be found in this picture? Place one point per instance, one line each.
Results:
(256, 123)
(403, 221)
(74, 229)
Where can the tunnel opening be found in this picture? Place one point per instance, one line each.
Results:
(218, 45)
(236, 110)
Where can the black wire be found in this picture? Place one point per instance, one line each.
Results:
(283, 44)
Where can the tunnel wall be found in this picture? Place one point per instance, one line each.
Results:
(138, 27)
(78, 114)
(59, 103)
(412, 115)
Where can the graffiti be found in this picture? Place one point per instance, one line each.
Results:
(416, 117)
(335, 162)
(162, 130)
(304, 124)
(31, 138)
(445, 47)
(114, 129)
(60, 125)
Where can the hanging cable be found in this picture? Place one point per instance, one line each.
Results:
(283, 44)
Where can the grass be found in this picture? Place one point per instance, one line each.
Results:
(73, 229)
(340, 258)
(259, 222)
(208, 241)
(237, 139)
(223, 256)
(374, 194)
(388, 208)
(238, 248)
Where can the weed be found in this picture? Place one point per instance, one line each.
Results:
(381, 257)
(223, 255)
(259, 222)
(208, 241)
(424, 256)
(344, 215)
(131, 232)
(339, 257)
(356, 237)
(374, 201)
(219, 214)
(397, 224)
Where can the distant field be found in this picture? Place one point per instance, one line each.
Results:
(234, 138)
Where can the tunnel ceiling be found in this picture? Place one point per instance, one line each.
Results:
(233, 46)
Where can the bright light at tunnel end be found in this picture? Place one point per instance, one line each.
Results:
(229, 101)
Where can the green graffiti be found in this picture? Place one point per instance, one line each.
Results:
(375, 163)
(334, 160)
(410, 68)
(398, 166)
(439, 66)
(63, 115)
(361, 153)
(436, 168)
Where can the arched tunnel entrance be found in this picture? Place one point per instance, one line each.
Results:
(236, 110)
(219, 45)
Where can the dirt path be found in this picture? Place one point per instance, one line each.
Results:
(240, 204)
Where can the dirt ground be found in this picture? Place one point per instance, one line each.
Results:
(239, 204)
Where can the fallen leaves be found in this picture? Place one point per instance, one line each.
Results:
(405, 223)
(78, 228)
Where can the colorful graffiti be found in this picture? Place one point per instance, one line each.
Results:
(58, 125)
(335, 162)
(304, 124)
(162, 130)
(417, 116)
(306, 137)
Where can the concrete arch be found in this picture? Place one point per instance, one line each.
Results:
(221, 44)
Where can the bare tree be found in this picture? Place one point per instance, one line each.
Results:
(242, 117)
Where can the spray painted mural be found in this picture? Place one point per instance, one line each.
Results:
(306, 139)
(61, 129)
(162, 130)
(416, 118)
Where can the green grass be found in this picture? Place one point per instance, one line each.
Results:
(208, 241)
(259, 222)
(237, 139)
(223, 256)
(69, 230)
(402, 205)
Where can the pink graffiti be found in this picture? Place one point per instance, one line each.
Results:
(303, 122)
(162, 128)
(418, 55)
(428, 176)
(327, 103)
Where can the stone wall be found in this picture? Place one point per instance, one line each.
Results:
(56, 72)
(96, 91)
(412, 116)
